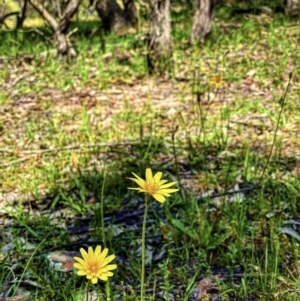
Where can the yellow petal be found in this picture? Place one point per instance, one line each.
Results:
(164, 194)
(140, 182)
(83, 253)
(166, 191)
(98, 250)
(109, 267)
(167, 185)
(108, 259)
(137, 178)
(102, 256)
(104, 253)
(160, 198)
(135, 188)
(81, 273)
(161, 182)
(90, 252)
(157, 177)
(109, 274)
(149, 176)
(103, 277)
(94, 280)
(80, 260)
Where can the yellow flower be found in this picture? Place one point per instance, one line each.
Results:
(216, 80)
(153, 185)
(94, 265)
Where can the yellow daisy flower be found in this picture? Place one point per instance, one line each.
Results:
(216, 80)
(153, 185)
(94, 265)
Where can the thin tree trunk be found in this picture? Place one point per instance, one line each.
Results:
(113, 17)
(22, 15)
(204, 13)
(131, 11)
(64, 46)
(160, 43)
(67, 15)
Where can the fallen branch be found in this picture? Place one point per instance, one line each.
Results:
(13, 162)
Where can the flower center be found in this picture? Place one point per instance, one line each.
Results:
(151, 188)
(93, 268)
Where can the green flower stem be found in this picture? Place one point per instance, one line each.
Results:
(101, 210)
(87, 291)
(147, 201)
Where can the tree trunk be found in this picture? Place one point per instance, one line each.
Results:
(64, 47)
(22, 15)
(131, 11)
(204, 13)
(113, 17)
(160, 43)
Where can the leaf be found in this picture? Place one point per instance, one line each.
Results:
(179, 225)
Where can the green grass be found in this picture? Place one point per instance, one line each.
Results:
(62, 126)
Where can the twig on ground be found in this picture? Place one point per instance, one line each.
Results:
(69, 147)
(13, 162)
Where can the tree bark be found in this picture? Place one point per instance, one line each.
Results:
(204, 13)
(64, 46)
(113, 17)
(22, 15)
(160, 43)
(130, 11)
